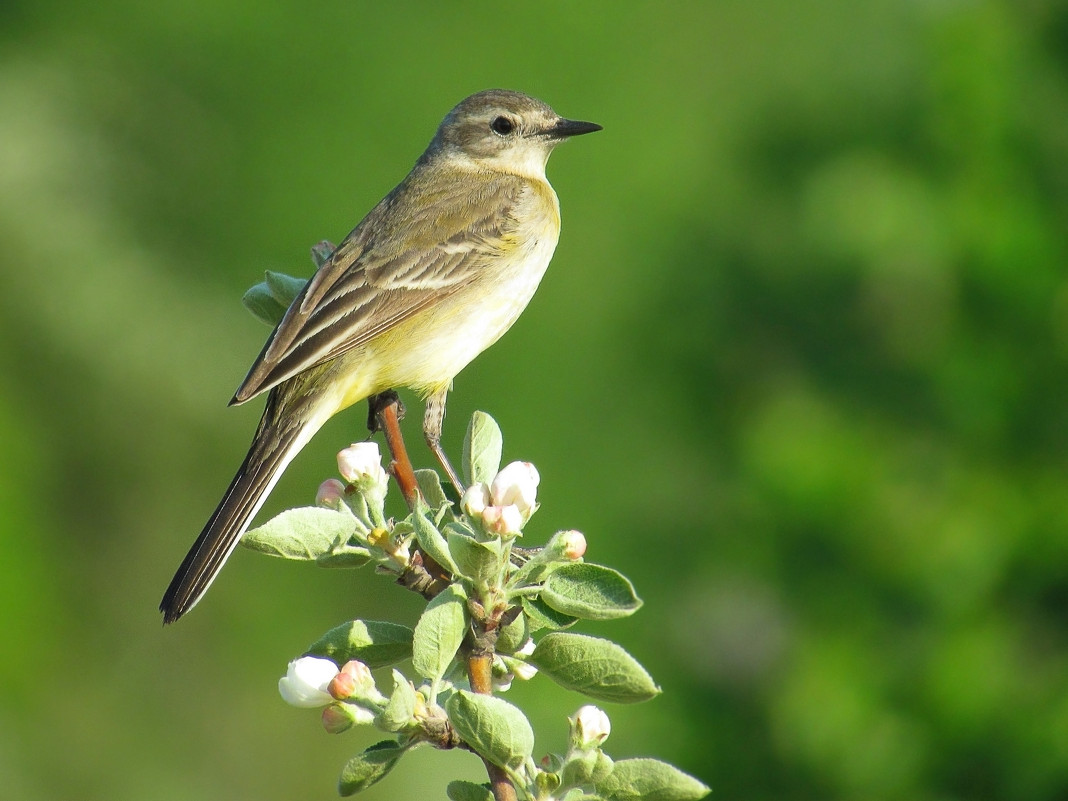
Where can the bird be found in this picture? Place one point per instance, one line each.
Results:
(434, 274)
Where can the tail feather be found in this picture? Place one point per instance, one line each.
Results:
(278, 439)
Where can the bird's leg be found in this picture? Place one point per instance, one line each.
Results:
(384, 414)
(435, 416)
(375, 403)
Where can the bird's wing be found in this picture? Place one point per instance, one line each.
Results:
(413, 250)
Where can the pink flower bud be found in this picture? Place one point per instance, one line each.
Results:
(353, 681)
(331, 494)
(504, 520)
(359, 672)
(342, 686)
(573, 544)
(337, 718)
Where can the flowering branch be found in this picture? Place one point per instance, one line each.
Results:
(495, 613)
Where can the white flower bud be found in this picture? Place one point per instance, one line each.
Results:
(475, 500)
(361, 464)
(589, 728)
(516, 484)
(524, 670)
(306, 681)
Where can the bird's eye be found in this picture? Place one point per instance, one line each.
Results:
(502, 126)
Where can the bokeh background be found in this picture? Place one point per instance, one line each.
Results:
(798, 368)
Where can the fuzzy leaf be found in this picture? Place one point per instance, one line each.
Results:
(284, 288)
(514, 635)
(650, 780)
(365, 769)
(494, 728)
(439, 632)
(430, 539)
(468, 791)
(430, 486)
(589, 767)
(322, 251)
(478, 561)
(400, 708)
(345, 556)
(483, 445)
(591, 592)
(263, 305)
(594, 667)
(543, 616)
(373, 642)
(304, 534)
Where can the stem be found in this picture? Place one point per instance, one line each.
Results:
(480, 662)
(479, 673)
(500, 784)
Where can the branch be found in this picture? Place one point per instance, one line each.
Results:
(480, 674)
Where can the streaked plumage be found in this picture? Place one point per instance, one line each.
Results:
(430, 278)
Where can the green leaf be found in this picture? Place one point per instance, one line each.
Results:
(477, 561)
(594, 667)
(543, 616)
(400, 708)
(284, 288)
(430, 486)
(650, 780)
(591, 592)
(483, 445)
(369, 767)
(439, 632)
(469, 791)
(495, 730)
(375, 643)
(513, 636)
(590, 767)
(430, 539)
(305, 534)
(321, 252)
(345, 556)
(263, 305)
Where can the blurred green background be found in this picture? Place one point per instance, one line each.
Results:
(799, 368)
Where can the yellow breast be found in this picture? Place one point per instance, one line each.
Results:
(427, 351)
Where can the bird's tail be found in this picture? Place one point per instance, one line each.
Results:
(282, 432)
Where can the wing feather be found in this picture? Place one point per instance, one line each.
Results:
(413, 250)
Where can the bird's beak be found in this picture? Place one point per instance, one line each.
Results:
(568, 128)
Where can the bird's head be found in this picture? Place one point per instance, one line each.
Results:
(504, 130)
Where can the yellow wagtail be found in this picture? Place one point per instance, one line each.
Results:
(433, 276)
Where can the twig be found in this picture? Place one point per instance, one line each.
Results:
(480, 674)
